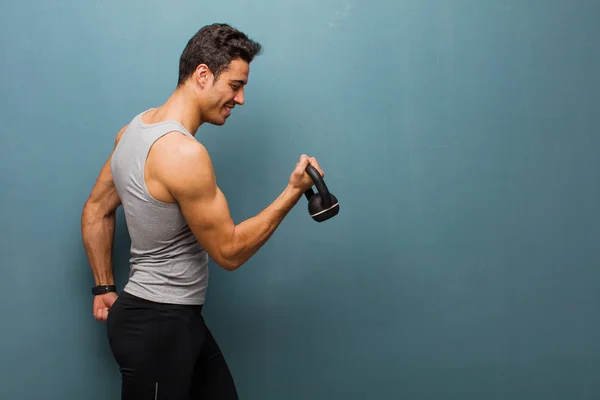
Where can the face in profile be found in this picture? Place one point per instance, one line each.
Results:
(226, 92)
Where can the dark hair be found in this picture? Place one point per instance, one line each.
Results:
(216, 46)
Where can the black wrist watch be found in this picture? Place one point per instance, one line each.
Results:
(103, 289)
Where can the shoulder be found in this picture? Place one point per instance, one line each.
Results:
(178, 152)
(182, 163)
(120, 133)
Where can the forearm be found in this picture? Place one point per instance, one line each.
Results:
(250, 235)
(98, 229)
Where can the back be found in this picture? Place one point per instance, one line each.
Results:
(168, 264)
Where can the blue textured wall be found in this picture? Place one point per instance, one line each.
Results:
(460, 137)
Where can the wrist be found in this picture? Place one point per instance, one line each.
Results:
(104, 278)
(293, 192)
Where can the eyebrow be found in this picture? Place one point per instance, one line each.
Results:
(241, 82)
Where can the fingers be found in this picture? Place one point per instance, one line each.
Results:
(315, 163)
(305, 161)
(101, 314)
(102, 305)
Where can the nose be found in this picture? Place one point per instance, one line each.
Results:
(239, 97)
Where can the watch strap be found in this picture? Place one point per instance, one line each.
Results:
(103, 289)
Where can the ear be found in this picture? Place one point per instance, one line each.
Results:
(203, 75)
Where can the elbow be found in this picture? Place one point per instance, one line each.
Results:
(230, 264)
(228, 253)
(86, 207)
(87, 213)
(229, 261)
(97, 211)
(90, 209)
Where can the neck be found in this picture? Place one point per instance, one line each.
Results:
(182, 107)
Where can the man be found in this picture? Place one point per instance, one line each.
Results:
(176, 218)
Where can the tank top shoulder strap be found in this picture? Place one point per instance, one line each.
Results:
(161, 127)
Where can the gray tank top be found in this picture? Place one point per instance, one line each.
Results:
(167, 263)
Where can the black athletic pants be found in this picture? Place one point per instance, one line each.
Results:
(166, 352)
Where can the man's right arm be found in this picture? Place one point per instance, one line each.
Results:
(193, 185)
(98, 223)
